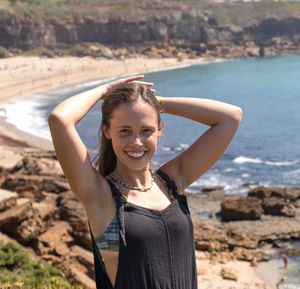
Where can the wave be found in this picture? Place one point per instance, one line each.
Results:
(179, 148)
(243, 160)
(26, 116)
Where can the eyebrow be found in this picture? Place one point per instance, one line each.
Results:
(144, 126)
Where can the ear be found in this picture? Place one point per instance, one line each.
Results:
(106, 131)
(160, 128)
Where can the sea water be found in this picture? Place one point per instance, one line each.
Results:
(266, 147)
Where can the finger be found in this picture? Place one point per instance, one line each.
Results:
(132, 78)
(153, 90)
(144, 83)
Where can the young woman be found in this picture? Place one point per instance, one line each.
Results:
(140, 223)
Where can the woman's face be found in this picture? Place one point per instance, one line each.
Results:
(134, 133)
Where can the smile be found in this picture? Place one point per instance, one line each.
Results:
(136, 154)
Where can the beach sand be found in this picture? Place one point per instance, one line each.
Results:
(22, 76)
(210, 275)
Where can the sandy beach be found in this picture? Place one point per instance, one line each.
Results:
(27, 75)
(21, 76)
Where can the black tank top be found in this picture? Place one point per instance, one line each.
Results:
(156, 248)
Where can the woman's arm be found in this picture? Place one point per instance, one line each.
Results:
(84, 179)
(70, 150)
(223, 120)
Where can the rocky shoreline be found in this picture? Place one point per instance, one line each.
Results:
(38, 209)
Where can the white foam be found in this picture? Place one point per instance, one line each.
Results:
(283, 164)
(243, 160)
(26, 116)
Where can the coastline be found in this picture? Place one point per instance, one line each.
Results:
(51, 74)
(23, 76)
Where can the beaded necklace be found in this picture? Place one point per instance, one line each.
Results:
(141, 189)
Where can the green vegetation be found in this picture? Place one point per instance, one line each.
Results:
(3, 52)
(18, 271)
(226, 13)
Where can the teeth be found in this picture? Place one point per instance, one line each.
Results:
(136, 155)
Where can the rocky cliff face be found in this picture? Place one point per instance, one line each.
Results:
(196, 30)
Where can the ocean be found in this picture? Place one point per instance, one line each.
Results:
(266, 148)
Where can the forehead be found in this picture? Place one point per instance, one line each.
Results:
(134, 114)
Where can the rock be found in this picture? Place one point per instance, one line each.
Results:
(241, 209)
(212, 188)
(229, 274)
(82, 278)
(9, 158)
(8, 199)
(55, 240)
(47, 212)
(13, 216)
(71, 210)
(34, 184)
(39, 166)
(266, 192)
(29, 229)
(202, 271)
(278, 207)
(253, 52)
(240, 236)
(84, 257)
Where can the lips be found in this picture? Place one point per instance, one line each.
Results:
(136, 154)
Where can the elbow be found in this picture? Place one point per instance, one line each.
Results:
(52, 118)
(237, 114)
(55, 118)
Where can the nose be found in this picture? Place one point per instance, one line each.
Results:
(137, 140)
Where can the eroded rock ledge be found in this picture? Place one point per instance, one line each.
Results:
(38, 209)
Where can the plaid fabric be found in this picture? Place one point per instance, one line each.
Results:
(109, 239)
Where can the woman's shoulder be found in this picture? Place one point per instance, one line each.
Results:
(170, 176)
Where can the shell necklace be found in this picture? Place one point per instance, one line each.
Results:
(141, 189)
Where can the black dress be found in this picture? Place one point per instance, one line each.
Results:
(156, 248)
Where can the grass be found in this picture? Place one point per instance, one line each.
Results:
(18, 271)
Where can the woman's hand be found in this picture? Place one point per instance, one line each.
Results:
(131, 79)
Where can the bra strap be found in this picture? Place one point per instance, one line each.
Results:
(120, 209)
(171, 184)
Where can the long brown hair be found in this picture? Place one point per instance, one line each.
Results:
(124, 93)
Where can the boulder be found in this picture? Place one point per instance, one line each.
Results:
(55, 240)
(71, 210)
(233, 209)
(8, 199)
(278, 207)
(9, 157)
(229, 274)
(13, 216)
(266, 192)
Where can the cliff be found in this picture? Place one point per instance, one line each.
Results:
(119, 30)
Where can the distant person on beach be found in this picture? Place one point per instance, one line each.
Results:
(139, 218)
(285, 261)
(280, 282)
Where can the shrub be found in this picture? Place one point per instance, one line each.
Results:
(17, 270)
(3, 52)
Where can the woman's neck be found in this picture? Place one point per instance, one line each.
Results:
(139, 178)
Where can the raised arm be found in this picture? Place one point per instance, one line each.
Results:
(70, 150)
(84, 179)
(223, 120)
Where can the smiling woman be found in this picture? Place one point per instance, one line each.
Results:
(140, 223)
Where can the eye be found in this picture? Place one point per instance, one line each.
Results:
(124, 131)
(147, 131)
